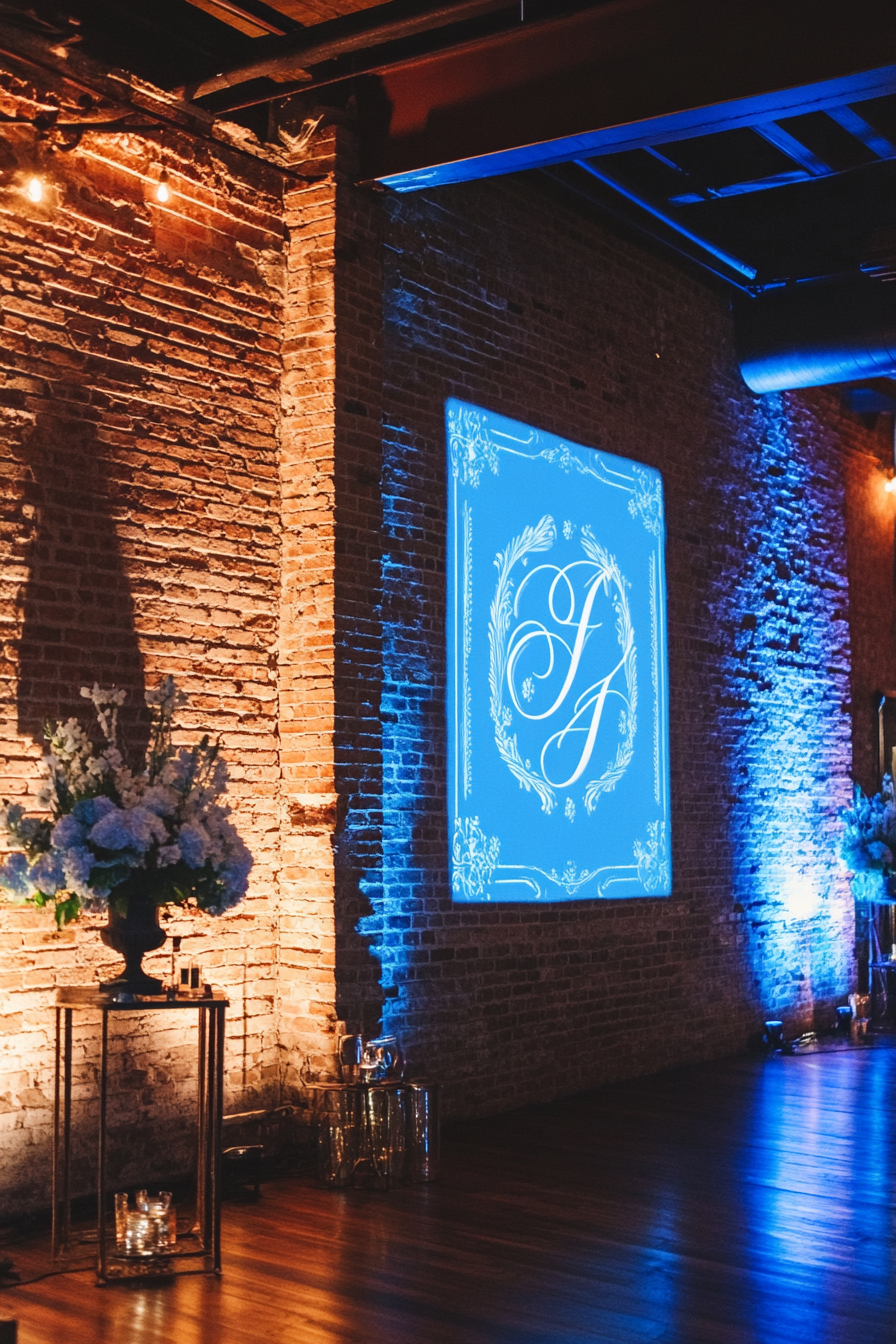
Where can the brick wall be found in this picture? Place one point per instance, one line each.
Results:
(872, 611)
(330, 638)
(140, 384)
(502, 295)
(223, 456)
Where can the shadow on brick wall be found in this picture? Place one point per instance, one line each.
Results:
(77, 612)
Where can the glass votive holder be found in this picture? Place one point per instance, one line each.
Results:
(150, 1229)
(335, 1130)
(422, 1114)
(382, 1149)
(140, 1234)
(121, 1220)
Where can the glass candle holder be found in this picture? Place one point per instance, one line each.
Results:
(422, 1113)
(150, 1229)
(335, 1126)
(121, 1220)
(382, 1149)
(140, 1234)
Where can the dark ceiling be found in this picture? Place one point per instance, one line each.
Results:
(755, 137)
(804, 196)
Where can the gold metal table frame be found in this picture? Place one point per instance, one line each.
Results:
(207, 1227)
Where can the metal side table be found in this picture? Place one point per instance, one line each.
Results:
(203, 1243)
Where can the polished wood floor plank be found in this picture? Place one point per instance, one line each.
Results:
(743, 1202)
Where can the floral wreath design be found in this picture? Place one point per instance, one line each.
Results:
(626, 636)
(539, 539)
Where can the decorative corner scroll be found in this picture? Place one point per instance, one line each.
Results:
(646, 502)
(652, 858)
(474, 859)
(471, 449)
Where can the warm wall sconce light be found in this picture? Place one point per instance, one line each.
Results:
(35, 189)
(163, 192)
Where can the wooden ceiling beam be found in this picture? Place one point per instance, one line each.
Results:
(377, 26)
(244, 20)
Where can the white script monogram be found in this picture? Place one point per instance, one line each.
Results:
(568, 654)
(538, 653)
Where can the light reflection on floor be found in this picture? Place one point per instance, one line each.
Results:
(805, 1213)
(744, 1202)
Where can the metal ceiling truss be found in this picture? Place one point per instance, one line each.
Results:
(757, 138)
(778, 90)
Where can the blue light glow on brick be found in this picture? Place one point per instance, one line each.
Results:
(760, 920)
(407, 894)
(782, 663)
(783, 629)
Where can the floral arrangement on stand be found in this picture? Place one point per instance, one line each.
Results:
(869, 843)
(127, 841)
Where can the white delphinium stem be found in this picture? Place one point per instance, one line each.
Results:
(106, 701)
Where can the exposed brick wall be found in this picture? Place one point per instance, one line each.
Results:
(330, 644)
(140, 371)
(330, 652)
(872, 583)
(497, 294)
(307, 704)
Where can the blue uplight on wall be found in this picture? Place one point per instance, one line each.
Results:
(557, 684)
(783, 622)
(406, 890)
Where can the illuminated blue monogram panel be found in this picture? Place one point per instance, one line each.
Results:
(557, 684)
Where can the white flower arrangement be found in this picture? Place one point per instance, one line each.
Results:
(869, 836)
(160, 834)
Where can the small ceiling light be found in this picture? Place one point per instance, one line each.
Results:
(35, 189)
(162, 191)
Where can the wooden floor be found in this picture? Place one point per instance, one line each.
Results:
(746, 1201)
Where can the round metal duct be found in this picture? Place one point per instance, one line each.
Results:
(812, 334)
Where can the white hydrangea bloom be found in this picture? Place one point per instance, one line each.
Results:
(129, 787)
(160, 799)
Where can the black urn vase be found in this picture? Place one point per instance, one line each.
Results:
(133, 930)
